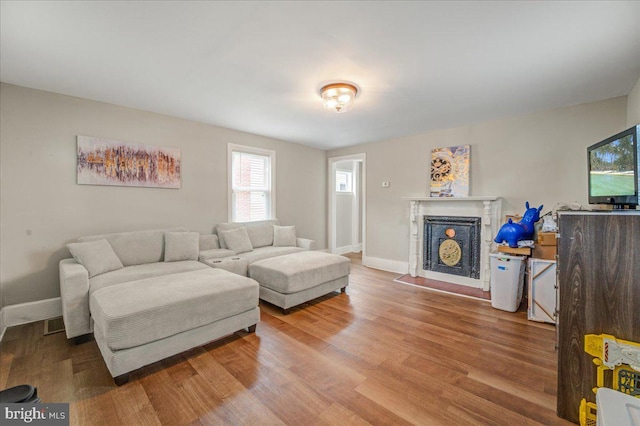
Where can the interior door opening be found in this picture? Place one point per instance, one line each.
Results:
(347, 230)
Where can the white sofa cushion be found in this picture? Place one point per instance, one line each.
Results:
(181, 246)
(139, 272)
(215, 254)
(237, 240)
(209, 242)
(136, 247)
(260, 232)
(97, 256)
(267, 252)
(139, 312)
(284, 236)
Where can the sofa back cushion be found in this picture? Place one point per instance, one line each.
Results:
(260, 232)
(96, 256)
(180, 246)
(136, 247)
(208, 242)
(237, 240)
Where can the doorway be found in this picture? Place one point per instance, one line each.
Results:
(347, 205)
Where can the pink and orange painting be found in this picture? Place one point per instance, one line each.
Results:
(105, 162)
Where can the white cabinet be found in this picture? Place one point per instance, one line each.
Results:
(542, 290)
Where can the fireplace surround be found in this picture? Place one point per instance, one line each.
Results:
(487, 207)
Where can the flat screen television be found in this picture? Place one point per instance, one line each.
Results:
(614, 170)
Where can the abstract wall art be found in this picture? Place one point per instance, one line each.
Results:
(105, 162)
(450, 171)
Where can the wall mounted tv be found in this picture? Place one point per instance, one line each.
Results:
(614, 170)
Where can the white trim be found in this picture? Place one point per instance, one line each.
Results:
(251, 150)
(388, 265)
(356, 248)
(24, 313)
(343, 250)
(331, 217)
(355, 210)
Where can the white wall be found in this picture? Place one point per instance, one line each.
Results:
(42, 207)
(539, 158)
(633, 105)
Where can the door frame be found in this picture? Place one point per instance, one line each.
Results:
(331, 216)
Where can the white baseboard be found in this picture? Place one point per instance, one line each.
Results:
(388, 265)
(23, 313)
(356, 248)
(343, 250)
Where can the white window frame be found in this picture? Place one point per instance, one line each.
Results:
(350, 182)
(231, 148)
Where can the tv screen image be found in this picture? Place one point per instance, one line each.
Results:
(612, 168)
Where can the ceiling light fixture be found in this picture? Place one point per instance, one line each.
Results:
(338, 97)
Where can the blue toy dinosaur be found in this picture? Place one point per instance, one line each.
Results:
(523, 230)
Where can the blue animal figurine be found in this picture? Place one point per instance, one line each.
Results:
(523, 230)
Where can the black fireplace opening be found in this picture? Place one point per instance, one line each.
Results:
(451, 244)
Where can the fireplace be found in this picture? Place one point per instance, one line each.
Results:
(489, 208)
(451, 245)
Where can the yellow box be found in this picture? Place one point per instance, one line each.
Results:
(526, 251)
(547, 239)
(544, 252)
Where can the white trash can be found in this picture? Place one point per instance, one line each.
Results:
(617, 408)
(507, 280)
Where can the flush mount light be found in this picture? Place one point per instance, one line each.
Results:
(338, 97)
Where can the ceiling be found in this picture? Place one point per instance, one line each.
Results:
(257, 66)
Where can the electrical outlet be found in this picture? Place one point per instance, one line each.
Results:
(386, 184)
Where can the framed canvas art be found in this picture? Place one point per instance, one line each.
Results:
(450, 171)
(105, 162)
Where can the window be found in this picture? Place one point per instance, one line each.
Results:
(251, 183)
(344, 181)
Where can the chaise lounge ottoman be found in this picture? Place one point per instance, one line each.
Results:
(137, 323)
(292, 279)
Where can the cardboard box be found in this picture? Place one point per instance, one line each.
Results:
(545, 252)
(522, 251)
(547, 239)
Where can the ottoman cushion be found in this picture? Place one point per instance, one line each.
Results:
(138, 312)
(299, 271)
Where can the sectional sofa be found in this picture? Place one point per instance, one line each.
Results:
(148, 295)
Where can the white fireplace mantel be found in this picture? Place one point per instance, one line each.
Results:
(420, 206)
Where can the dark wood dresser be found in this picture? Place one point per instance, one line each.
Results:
(599, 284)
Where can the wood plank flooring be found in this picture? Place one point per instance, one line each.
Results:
(384, 353)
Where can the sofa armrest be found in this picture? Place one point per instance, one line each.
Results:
(215, 254)
(306, 243)
(74, 293)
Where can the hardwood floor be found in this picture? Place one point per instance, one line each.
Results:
(383, 353)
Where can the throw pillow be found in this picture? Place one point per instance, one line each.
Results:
(181, 246)
(284, 236)
(209, 242)
(237, 240)
(97, 256)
